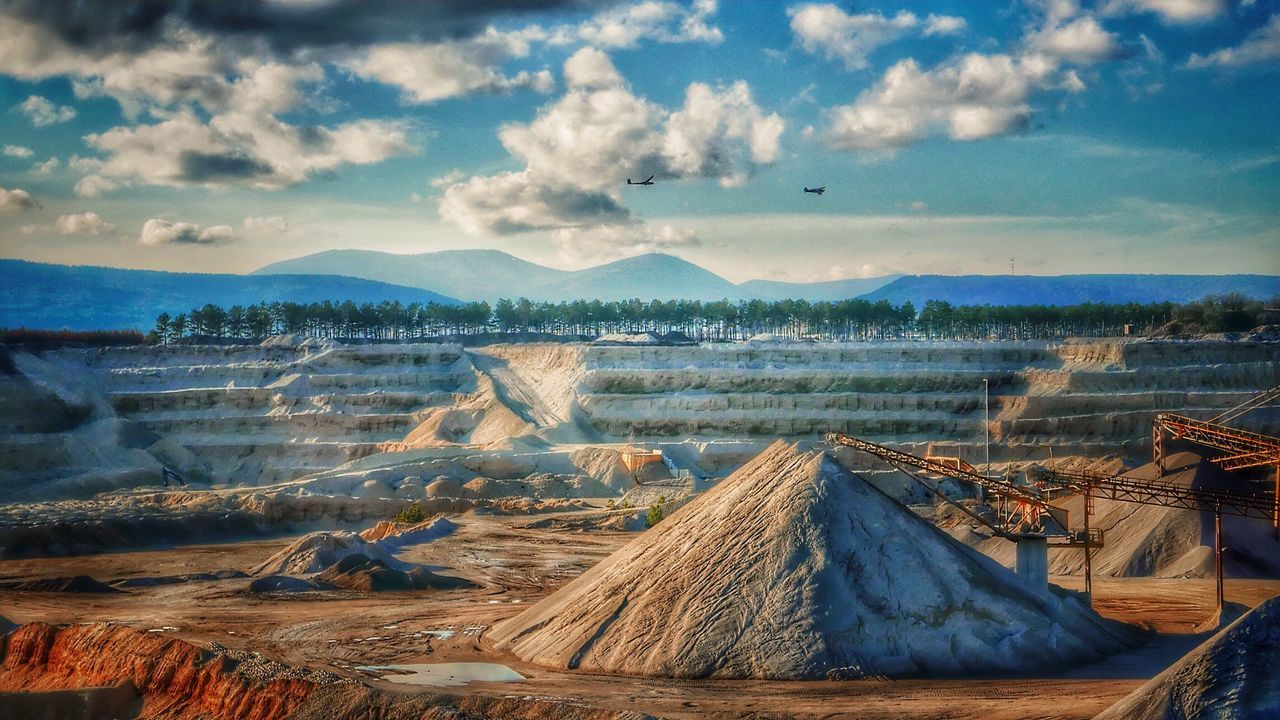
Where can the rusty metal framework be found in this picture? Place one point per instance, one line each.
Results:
(1245, 449)
(1022, 509)
(1158, 492)
(1111, 487)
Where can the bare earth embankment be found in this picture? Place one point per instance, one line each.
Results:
(534, 560)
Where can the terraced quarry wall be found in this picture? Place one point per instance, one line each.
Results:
(1091, 398)
(255, 415)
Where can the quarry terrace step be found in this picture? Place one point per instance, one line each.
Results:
(252, 396)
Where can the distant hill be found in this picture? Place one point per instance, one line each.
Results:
(1069, 289)
(41, 295)
(492, 274)
(465, 274)
(830, 290)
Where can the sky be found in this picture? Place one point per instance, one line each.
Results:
(955, 137)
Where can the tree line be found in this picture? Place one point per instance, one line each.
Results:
(721, 320)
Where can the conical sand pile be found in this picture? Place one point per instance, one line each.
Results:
(1232, 675)
(794, 568)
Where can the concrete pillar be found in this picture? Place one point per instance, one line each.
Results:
(1033, 562)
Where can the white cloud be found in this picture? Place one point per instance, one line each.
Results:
(590, 69)
(447, 179)
(17, 200)
(237, 139)
(245, 143)
(84, 164)
(17, 151)
(162, 232)
(975, 96)
(271, 224)
(1082, 40)
(608, 242)
(92, 186)
(580, 150)
(625, 27)
(85, 223)
(518, 201)
(943, 25)
(41, 111)
(720, 134)
(826, 29)
(47, 167)
(429, 72)
(1261, 45)
(1174, 11)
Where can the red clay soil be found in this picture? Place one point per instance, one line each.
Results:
(177, 680)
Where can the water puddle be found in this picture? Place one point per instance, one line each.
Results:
(447, 674)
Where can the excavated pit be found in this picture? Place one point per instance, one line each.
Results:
(794, 568)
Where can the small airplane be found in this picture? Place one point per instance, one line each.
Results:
(646, 182)
(817, 190)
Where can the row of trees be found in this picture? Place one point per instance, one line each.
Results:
(853, 319)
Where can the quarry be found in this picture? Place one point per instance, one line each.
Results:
(633, 528)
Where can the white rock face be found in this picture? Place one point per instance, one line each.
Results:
(260, 415)
(1232, 675)
(794, 568)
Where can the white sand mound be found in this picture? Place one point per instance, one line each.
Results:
(643, 338)
(1232, 675)
(794, 568)
(316, 551)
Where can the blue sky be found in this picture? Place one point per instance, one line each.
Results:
(953, 137)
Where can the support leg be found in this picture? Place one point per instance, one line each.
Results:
(1088, 553)
(1217, 553)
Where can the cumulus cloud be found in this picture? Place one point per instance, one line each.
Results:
(47, 167)
(162, 232)
(973, 97)
(17, 200)
(609, 242)
(1081, 40)
(85, 223)
(943, 25)
(849, 37)
(1261, 45)
(42, 111)
(244, 142)
(92, 186)
(513, 202)
(664, 22)
(17, 151)
(579, 150)
(1173, 11)
(272, 224)
(429, 72)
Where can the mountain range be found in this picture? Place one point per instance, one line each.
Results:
(492, 274)
(1069, 289)
(40, 295)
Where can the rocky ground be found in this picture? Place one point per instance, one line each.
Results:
(516, 455)
(514, 566)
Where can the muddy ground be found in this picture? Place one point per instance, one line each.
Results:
(516, 565)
